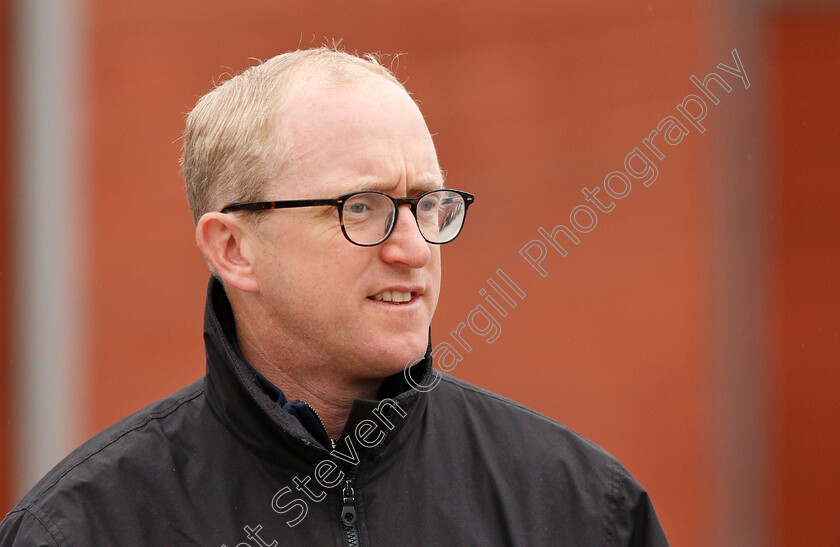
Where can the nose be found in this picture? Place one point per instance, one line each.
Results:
(406, 244)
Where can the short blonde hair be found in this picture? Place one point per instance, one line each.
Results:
(230, 148)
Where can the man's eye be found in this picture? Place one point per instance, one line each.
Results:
(356, 208)
(428, 205)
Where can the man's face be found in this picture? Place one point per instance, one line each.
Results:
(319, 289)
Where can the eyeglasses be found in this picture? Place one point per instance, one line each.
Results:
(368, 218)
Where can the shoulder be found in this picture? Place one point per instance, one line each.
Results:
(533, 453)
(29, 527)
(514, 421)
(136, 438)
(109, 468)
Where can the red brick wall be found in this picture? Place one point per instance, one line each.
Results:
(6, 275)
(805, 293)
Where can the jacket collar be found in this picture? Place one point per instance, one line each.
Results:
(240, 402)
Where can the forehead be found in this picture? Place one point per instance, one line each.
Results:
(344, 137)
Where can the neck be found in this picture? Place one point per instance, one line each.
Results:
(319, 384)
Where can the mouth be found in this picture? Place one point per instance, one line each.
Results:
(398, 297)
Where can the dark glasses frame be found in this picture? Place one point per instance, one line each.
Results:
(341, 200)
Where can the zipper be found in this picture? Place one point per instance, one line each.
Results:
(348, 495)
(348, 510)
(315, 412)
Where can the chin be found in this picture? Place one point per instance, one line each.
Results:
(393, 354)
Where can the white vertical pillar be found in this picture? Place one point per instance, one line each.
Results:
(48, 198)
(740, 242)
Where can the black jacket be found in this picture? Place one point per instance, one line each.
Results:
(220, 464)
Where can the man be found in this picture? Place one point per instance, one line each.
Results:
(320, 207)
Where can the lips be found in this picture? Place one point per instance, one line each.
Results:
(397, 295)
(393, 296)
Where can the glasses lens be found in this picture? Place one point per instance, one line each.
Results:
(440, 215)
(368, 217)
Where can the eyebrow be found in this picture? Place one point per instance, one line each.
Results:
(420, 186)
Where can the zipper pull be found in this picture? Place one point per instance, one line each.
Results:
(348, 512)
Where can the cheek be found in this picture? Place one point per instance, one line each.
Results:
(335, 273)
(435, 265)
(307, 248)
(435, 271)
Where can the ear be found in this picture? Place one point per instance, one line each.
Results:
(224, 241)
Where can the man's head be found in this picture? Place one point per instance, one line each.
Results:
(231, 146)
(298, 287)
